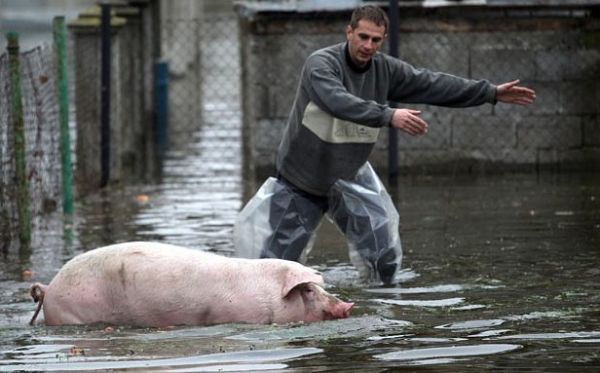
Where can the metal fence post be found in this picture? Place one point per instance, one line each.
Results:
(105, 95)
(59, 32)
(16, 111)
(161, 89)
(393, 133)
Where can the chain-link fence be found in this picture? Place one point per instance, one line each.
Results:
(204, 90)
(41, 135)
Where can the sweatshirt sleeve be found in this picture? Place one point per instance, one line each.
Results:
(422, 86)
(327, 91)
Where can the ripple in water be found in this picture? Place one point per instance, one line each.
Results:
(438, 355)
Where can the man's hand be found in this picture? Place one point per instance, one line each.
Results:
(408, 121)
(511, 93)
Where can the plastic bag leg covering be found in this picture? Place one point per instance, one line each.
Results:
(365, 213)
(252, 228)
(293, 220)
(276, 222)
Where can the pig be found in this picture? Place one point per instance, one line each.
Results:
(151, 284)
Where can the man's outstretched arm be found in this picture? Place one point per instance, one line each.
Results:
(408, 120)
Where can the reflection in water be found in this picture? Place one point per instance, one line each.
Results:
(554, 336)
(225, 361)
(422, 303)
(353, 327)
(472, 324)
(436, 353)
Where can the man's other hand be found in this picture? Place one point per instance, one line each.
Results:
(408, 121)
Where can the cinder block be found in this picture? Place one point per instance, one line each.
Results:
(551, 65)
(550, 132)
(436, 52)
(585, 64)
(502, 65)
(591, 130)
(568, 64)
(485, 132)
(521, 156)
(578, 97)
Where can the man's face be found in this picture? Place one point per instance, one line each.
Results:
(364, 41)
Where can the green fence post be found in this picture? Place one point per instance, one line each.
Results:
(19, 139)
(59, 32)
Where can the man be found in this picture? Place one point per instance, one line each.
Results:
(339, 108)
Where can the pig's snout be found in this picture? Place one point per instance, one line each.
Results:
(340, 310)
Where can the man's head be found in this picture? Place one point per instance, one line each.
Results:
(365, 33)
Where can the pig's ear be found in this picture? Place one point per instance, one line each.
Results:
(294, 278)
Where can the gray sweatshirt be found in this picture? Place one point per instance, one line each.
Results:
(339, 110)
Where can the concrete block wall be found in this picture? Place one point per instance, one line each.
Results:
(555, 50)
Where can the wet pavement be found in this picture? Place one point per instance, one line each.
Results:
(499, 272)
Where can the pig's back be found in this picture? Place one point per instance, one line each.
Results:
(138, 283)
(120, 262)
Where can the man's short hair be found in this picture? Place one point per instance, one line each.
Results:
(370, 13)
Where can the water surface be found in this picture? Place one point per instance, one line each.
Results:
(499, 272)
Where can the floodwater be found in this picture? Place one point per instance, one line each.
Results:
(500, 273)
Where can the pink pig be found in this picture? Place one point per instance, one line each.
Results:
(153, 284)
